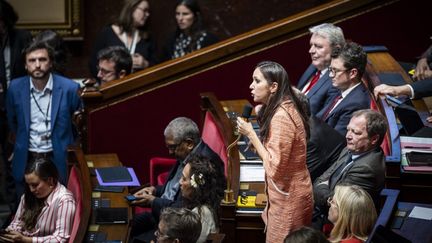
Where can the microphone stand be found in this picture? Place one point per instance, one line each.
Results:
(228, 192)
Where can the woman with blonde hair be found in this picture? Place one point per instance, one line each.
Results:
(353, 214)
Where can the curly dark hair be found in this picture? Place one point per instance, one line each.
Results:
(208, 190)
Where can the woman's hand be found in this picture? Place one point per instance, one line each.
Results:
(139, 62)
(15, 236)
(244, 128)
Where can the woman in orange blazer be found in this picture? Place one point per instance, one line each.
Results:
(282, 148)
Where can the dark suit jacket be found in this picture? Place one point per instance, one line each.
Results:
(65, 101)
(339, 118)
(422, 88)
(323, 148)
(367, 171)
(321, 93)
(19, 39)
(204, 150)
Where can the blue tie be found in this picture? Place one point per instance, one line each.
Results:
(339, 170)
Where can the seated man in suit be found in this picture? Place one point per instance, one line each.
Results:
(315, 82)
(182, 138)
(114, 62)
(360, 163)
(324, 145)
(346, 70)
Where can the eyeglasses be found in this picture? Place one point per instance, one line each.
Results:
(334, 71)
(173, 147)
(160, 236)
(104, 72)
(331, 202)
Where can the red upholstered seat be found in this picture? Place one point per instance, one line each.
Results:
(385, 143)
(212, 136)
(75, 186)
(159, 169)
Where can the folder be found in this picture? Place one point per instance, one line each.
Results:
(114, 174)
(134, 181)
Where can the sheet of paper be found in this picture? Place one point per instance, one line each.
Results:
(251, 172)
(421, 213)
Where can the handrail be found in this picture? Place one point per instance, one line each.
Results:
(226, 51)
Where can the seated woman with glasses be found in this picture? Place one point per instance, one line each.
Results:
(352, 212)
(202, 193)
(46, 210)
(178, 225)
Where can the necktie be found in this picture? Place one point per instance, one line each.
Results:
(336, 173)
(313, 81)
(330, 107)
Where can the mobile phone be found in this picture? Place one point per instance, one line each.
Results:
(130, 198)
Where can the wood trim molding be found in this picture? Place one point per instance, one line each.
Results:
(226, 51)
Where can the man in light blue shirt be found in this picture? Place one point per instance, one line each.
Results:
(40, 107)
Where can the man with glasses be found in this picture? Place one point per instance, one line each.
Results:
(178, 225)
(346, 69)
(114, 62)
(315, 82)
(182, 138)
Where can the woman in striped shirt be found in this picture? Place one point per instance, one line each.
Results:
(46, 210)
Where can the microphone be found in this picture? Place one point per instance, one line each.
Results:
(247, 111)
(228, 193)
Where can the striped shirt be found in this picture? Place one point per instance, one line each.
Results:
(55, 221)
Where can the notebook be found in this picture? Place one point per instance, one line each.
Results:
(114, 174)
(419, 159)
(111, 215)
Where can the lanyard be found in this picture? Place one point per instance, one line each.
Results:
(132, 46)
(40, 109)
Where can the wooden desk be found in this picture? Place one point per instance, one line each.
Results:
(114, 231)
(237, 227)
(415, 230)
(413, 186)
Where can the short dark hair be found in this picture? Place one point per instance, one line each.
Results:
(353, 56)
(306, 235)
(181, 224)
(119, 55)
(376, 123)
(37, 45)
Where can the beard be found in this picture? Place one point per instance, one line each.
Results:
(39, 74)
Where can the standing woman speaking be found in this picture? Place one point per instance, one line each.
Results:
(129, 30)
(282, 148)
